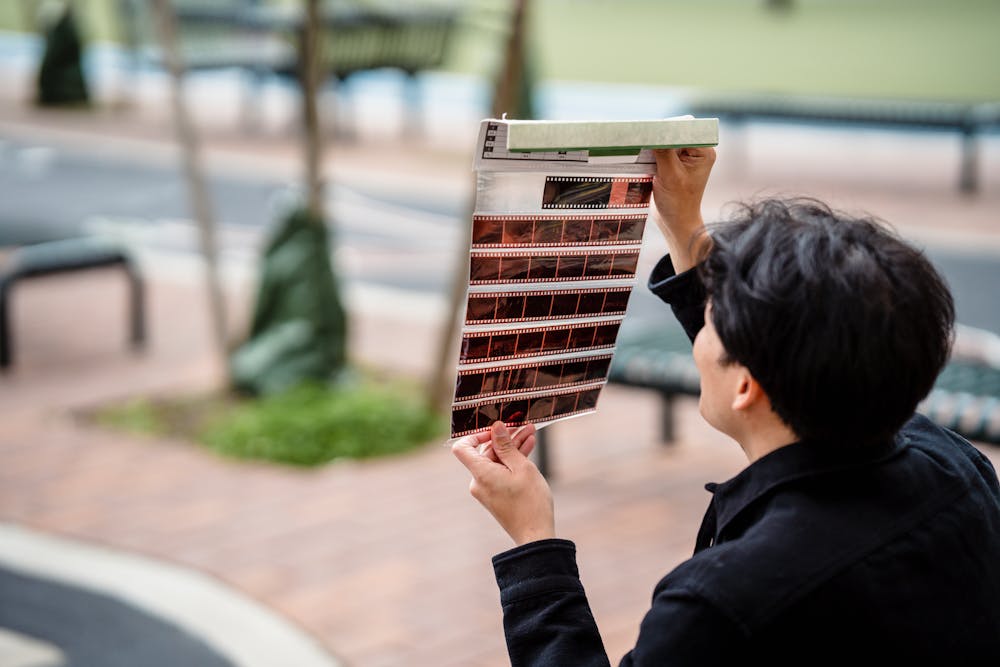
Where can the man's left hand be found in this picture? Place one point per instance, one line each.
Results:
(507, 483)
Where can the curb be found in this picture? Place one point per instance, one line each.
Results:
(238, 628)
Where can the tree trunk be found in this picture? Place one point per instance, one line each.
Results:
(187, 137)
(507, 96)
(311, 77)
(508, 91)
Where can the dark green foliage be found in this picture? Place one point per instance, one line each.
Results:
(60, 76)
(299, 328)
(311, 424)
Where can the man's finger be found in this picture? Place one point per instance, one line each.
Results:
(519, 438)
(503, 445)
(466, 450)
(699, 154)
(522, 434)
(665, 158)
(528, 446)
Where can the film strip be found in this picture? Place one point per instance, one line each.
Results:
(514, 231)
(597, 192)
(500, 307)
(524, 378)
(533, 342)
(491, 267)
(477, 416)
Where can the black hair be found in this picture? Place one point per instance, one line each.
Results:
(845, 325)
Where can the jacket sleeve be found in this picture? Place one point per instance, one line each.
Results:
(684, 293)
(548, 622)
(546, 616)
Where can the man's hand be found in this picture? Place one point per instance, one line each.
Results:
(681, 177)
(507, 483)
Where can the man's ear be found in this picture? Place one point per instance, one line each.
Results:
(748, 392)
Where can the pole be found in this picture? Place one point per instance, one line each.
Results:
(194, 176)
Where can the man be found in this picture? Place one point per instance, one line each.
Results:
(858, 532)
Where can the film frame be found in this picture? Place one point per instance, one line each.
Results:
(478, 416)
(583, 192)
(534, 305)
(493, 267)
(522, 378)
(533, 342)
(518, 231)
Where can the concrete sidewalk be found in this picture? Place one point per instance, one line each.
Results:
(386, 562)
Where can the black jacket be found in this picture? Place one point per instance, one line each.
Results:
(811, 555)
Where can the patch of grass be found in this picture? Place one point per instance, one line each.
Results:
(137, 415)
(307, 426)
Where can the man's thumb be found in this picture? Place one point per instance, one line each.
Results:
(503, 444)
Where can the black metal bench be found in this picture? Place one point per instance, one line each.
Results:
(965, 398)
(52, 257)
(970, 120)
(264, 40)
(657, 356)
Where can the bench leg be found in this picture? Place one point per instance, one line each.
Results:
(251, 114)
(5, 342)
(968, 180)
(667, 418)
(137, 307)
(413, 121)
(542, 451)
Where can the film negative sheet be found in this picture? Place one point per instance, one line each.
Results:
(523, 343)
(534, 306)
(552, 263)
(496, 267)
(522, 231)
(597, 192)
(541, 408)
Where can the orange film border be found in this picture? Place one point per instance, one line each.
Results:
(595, 192)
(534, 341)
(517, 231)
(517, 411)
(491, 266)
(502, 307)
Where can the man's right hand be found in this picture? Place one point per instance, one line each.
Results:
(681, 177)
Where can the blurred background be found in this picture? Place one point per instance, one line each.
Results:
(233, 249)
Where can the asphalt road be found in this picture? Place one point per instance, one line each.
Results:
(383, 238)
(91, 629)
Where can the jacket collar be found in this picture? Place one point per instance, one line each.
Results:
(790, 463)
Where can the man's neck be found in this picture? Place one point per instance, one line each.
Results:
(766, 436)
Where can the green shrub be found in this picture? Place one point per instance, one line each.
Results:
(306, 426)
(313, 424)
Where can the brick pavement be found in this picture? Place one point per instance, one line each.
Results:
(386, 562)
